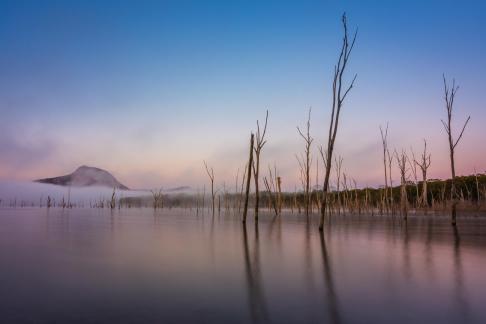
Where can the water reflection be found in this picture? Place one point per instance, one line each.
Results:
(407, 265)
(308, 254)
(429, 264)
(256, 298)
(459, 289)
(160, 267)
(332, 300)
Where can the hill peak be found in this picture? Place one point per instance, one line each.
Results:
(86, 176)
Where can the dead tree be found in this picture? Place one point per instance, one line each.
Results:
(240, 198)
(384, 135)
(391, 201)
(478, 193)
(260, 142)
(402, 166)
(356, 200)
(316, 186)
(157, 198)
(271, 184)
(235, 201)
(339, 94)
(323, 154)
(337, 166)
(113, 200)
(248, 179)
(424, 164)
(210, 173)
(449, 96)
(345, 195)
(305, 163)
(203, 199)
(413, 169)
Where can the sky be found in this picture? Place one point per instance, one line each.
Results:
(149, 89)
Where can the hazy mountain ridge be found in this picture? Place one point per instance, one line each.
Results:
(86, 176)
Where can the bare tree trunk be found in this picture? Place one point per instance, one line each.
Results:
(260, 142)
(203, 199)
(248, 179)
(236, 198)
(279, 197)
(449, 95)
(210, 173)
(478, 193)
(339, 94)
(339, 163)
(390, 196)
(384, 136)
(240, 196)
(305, 164)
(402, 165)
(424, 165)
(413, 168)
(272, 186)
(113, 200)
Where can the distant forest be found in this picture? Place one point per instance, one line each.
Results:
(471, 190)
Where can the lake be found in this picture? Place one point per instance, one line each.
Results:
(173, 266)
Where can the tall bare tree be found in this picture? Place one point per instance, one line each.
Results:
(240, 196)
(323, 154)
(235, 201)
(449, 96)
(402, 166)
(305, 163)
(384, 135)
(248, 179)
(272, 186)
(391, 201)
(339, 94)
(414, 171)
(260, 142)
(210, 173)
(424, 164)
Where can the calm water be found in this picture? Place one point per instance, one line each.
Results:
(135, 265)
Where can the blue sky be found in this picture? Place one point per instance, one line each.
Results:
(148, 89)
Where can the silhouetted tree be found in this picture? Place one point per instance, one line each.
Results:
(305, 163)
(339, 93)
(384, 135)
(248, 180)
(424, 164)
(449, 96)
(260, 142)
(210, 173)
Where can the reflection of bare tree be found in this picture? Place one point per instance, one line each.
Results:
(309, 273)
(212, 241)
(429, 264)
(459, 292)
(254, 279)
(112, 220)
(407, 267)
(47, 221)
(331, 291)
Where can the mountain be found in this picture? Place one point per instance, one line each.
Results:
(86, 176)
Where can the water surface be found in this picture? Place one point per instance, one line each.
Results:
(137, 265)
